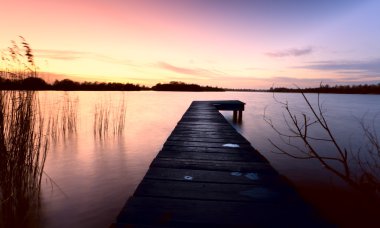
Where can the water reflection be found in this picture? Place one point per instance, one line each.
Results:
(63, 113)
(325, 189)
(97, 174)
(308, 132)
(109, 116)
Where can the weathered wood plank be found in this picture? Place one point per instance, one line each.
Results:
(227, 134)
(195, 134)
(196, 180)
(212, 191)
(208, 156)
(222, 141)
(213, 165)
(211, 149)
(196, 213)
(207, 144)
(211, 176)
(208, 129)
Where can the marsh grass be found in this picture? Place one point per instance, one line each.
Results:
(64, 118)
(109, 118)
(23, 143)
(119, 118)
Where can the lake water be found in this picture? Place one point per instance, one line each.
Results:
(93, 175)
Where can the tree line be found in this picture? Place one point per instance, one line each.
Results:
(36, 83)
(181, 86)
(341, 89)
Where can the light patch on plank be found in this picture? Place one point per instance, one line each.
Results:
(232, 145)
(252, 176)
(236, 174)
(188, 178)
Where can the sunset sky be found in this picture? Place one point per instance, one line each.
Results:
(226, 43)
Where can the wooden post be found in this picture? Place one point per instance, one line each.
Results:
(235, 116)
(240, 118)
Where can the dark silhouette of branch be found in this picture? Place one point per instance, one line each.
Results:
(298, 125)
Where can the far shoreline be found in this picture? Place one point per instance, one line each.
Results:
(38, 84)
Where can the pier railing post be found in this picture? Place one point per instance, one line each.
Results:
(240, 118)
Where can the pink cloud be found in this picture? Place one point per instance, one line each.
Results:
(180, 70)
(74, 55)
(290, 52)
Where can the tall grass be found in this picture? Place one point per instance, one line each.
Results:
(69, 114)
(23, 144)
(109, 118)
(65, 118)
(119, 117)
(101, 120)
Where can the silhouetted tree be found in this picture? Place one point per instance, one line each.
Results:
(34, 83)
(337, 161)
(181, 86)
(342, 89)
(65, 84)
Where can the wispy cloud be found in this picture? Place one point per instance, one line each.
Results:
(314, 82)
(365, 66)
(294, 80)
(61, 54)
(290, 52)
(75, 55)
(201, 73)
(181, 70)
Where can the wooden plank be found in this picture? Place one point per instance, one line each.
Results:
(200, 122)
(195, 134)
(220, 140)
(210, 149)
(193, 213)
(213, 165)
(207, 144)
(196, 180)
(206, 115)
(211, 176)
(217, 153)
(208, 156)
(212, 191)
(226, 134)
(208, 129)
(193, 125)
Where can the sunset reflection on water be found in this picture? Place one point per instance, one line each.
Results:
(93, 177)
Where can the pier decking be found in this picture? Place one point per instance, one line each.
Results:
(207, 174)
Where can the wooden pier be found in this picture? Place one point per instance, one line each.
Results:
(207, 174)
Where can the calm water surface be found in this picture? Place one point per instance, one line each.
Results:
(93, 176)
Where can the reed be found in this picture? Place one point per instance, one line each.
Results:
(23, 144)
(64, 119)
(109, 118)
(119, 117)
(69, 114)
(101, 120)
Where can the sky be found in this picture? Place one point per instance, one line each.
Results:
(252, 44)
